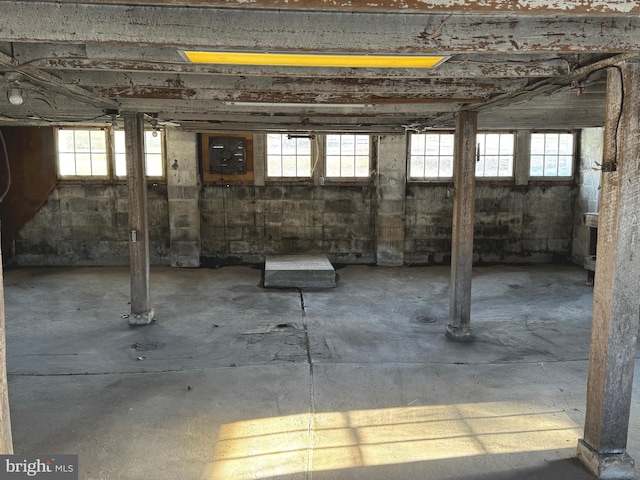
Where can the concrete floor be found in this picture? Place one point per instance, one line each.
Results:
(234, 381)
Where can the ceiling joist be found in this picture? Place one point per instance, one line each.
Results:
(309, 31)
(81, 58)
(572, 7)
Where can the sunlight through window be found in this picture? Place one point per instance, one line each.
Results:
(269, 447)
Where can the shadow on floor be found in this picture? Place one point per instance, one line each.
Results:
(563, 469)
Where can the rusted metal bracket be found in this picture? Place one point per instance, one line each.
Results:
(610, 166)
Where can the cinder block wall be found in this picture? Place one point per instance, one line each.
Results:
(86, 224)
(528, 223)
(244, 223)
(588, 182)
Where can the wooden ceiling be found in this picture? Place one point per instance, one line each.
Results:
(521, 64)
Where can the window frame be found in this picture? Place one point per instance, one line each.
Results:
(111, 176)
(314, 156)
(514, 159)
(446, 180)
(352, 180)
(574, 156)
(83, 178)
(163, 153)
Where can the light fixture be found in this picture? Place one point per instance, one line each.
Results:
(314, 59)
(154, 125)
(15, 97)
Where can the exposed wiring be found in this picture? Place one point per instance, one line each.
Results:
(437, 30)
(6, 159)
(615, 133)
(316, 153)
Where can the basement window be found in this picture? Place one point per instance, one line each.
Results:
(551, 155)
(348, 156)
(153, 153)
(82, 153)
(494, 157)
(431, 156)
(288, 156)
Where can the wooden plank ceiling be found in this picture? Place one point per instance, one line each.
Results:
(529, 63)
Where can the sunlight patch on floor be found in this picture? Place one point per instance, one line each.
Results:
(268, 447)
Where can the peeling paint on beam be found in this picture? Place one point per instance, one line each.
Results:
(281, 97)
(198, 107)
(552, 85)
(294, 127)
(479, 87)
(600, 7)
(149, 92)
(108, 57)
(339, 32)
(453, 70)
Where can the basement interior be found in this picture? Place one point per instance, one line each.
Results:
(320, 240)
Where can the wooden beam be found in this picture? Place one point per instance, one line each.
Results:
(496, 67)
(572, 7)
(380, 129)
(551, 85)
(616, 302)
(6, 441)
(141, 311)
(541, 89)
(424, 87)
(340, 32)
(464, 182)
(281, 97)
(181, 107)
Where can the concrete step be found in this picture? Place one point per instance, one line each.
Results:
(299, 271)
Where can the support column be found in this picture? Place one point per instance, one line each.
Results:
(616, 303)
(184, 198)
(523, 149)
(464, 178)
(141, 312)
(6, 441)
(392, 173)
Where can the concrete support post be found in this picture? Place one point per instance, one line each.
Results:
(141, 312)
(6, 441)
(464, 178)
(616, 303)
(183, 193)
(392, 173)
(523, 149)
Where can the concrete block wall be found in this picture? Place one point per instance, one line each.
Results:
(429, 215)
(391, 194)
(245, 223)
(87, 224)
(530, 223)
(183, 194)
(588, 189)
(384, 220)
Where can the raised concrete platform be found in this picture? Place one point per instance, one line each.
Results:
(299, 271)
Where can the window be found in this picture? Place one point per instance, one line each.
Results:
(347, 155)
(100, 153)
(431, 155)
(154, 158)
(82, 153)
(288, 156)
(551, 155)
(494, 155)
